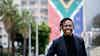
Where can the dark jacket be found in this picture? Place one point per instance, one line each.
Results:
(58, 47)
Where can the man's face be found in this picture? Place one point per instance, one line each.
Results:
(67, 27)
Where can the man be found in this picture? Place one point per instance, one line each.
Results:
(68, 44)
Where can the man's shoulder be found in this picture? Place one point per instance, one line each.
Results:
(78, 38)
(58, 39)
(61, 38)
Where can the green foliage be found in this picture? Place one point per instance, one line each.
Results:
(19, 22)
(43, 31)
(22, 22)
(7, 8)
(96, 24)
(43, 37)
(33, 34)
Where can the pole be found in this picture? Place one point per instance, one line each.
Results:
(37, 42)
(37, 39)
(29, 35)
(30, 39)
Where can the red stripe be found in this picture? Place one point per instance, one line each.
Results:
(53, 21)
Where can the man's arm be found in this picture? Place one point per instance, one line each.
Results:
(51, 50)
(83, 52)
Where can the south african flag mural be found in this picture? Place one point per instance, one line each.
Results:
(58, 9)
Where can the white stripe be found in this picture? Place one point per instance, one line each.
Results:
(61, 16)
(48, 46)
(84, 18)
(74, 13)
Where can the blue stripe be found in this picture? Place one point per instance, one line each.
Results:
(78, 22)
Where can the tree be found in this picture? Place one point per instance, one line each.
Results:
(96, 41)
(13, 20)
(24, 26)
(16, 22)
(43, 31)
(8, 11)
(96, 24)
(43, 37)
(96, 21)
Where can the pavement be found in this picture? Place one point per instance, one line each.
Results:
(95, 51)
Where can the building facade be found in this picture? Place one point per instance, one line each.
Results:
(38, 8)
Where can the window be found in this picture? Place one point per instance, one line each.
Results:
(23, 2)
(32, 2)
(44, 2)
(0, 36)
(44, 10)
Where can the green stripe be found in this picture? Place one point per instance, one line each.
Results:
(65, 12)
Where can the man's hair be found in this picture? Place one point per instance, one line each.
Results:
(63, 20)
